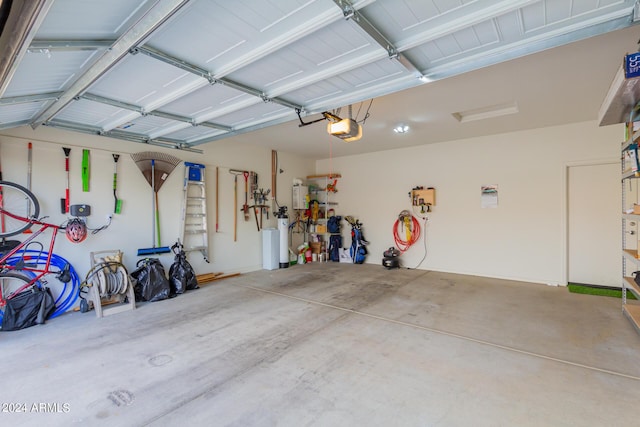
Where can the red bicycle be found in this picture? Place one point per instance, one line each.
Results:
(19, 271)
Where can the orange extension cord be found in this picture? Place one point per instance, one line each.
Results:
(411, 230)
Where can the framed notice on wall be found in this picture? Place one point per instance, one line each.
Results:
(489, 196)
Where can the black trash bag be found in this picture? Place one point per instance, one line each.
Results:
(151, 281)
(181, 274)
(28, 308)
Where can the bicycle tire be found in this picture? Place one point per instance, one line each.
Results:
(16, 200)
(10, 281)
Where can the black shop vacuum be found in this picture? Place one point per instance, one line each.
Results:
(391, 258)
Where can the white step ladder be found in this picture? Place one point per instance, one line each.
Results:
(194, 211)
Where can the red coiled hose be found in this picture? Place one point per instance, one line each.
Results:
(403, 244)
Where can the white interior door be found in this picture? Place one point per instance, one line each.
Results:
(594, 221)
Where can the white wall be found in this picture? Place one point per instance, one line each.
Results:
(592, 220)
(523, 239)
(132, 229)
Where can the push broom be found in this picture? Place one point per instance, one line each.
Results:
(155, 167)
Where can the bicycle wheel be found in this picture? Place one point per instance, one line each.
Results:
(12, 284)
(18, 201)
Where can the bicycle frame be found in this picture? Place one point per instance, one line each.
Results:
(39, 272)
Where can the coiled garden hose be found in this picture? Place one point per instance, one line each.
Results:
(110, 278)
(69, 294)
(411, 228)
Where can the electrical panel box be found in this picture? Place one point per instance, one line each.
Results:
(300, 199)
(423, 197)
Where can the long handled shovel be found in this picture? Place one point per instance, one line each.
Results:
(217, 191)
(64, 203)
(235, 204)
(235, 174)
(245, 208)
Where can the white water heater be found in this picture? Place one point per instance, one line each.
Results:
(283, 228)
(300, 193)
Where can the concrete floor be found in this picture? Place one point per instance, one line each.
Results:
(333, 345)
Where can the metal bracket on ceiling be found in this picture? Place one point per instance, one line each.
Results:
(112, 102)
(332, 117)
(215, 126)
(348, 11)
(302, 123)
(173, 61)
(24, 99)
(69, 45)
(351, 13)
(117, 134)
(347, 8)
(325, 116)
(201, 72)
(144, 112)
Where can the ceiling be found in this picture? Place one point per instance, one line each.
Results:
(186, 73)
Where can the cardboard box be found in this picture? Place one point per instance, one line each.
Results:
(321, 228)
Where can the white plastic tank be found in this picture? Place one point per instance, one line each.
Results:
(270, 248)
